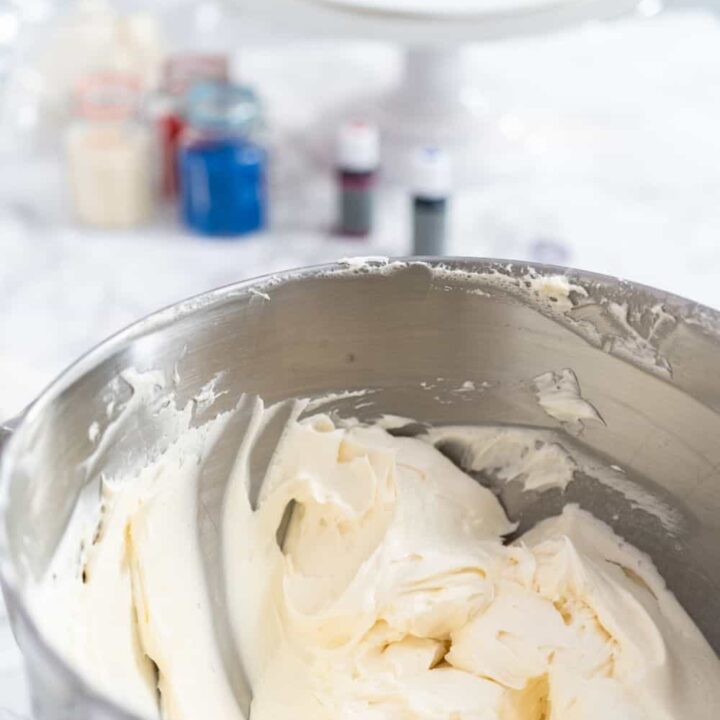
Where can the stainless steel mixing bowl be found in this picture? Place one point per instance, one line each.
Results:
(413, 333)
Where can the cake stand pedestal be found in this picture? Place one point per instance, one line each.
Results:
(433, 104)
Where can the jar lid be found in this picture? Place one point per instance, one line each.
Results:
(181, 72)
(223, 106)
(358, 147)
(431, 173)
(108, 96)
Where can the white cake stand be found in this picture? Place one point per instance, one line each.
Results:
(432, 103)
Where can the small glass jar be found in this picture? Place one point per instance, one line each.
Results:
(221, 163)
(180, 73)
(109, 154)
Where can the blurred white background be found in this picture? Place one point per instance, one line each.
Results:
(610, 162)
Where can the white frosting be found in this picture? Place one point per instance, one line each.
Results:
(392, 596)
(532, 457)
(557, 289)
(258, 293)
(136, 580)
(541, 460)
(639, 347)
(558, 394)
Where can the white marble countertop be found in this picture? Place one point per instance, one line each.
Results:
(616, 125)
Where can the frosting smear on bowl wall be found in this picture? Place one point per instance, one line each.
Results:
(366, 575)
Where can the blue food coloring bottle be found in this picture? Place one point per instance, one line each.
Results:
(221, 164)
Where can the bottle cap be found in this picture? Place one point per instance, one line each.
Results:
(358, 148)
(108, 96)
(182, 71)
(431, 173)
(222, 106)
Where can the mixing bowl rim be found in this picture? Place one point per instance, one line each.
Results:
(203, 301)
